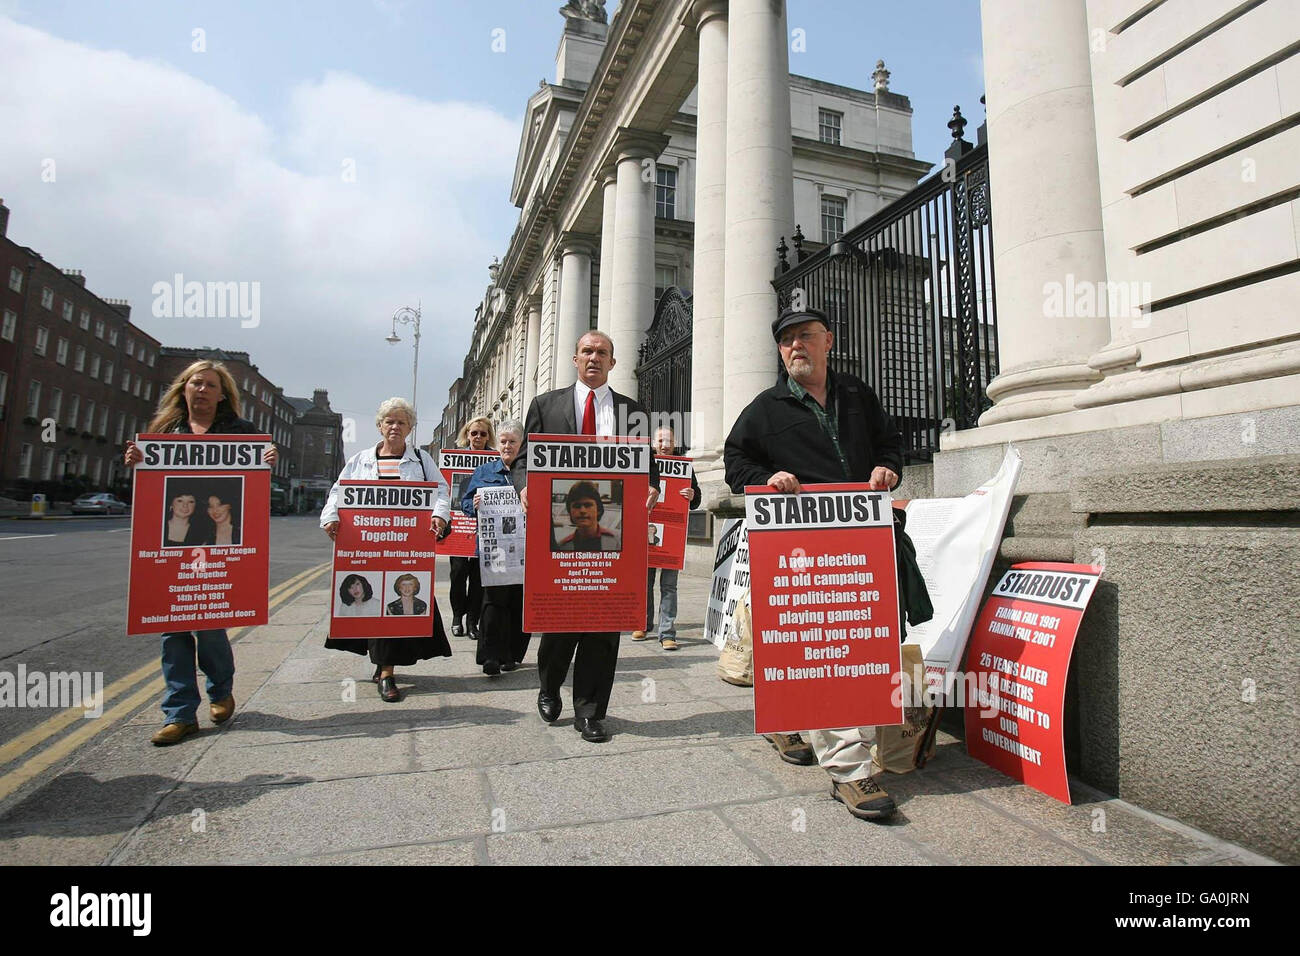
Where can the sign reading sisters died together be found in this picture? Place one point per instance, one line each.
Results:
(200, 520)
(383, 560)
(588, 533)
(824, 607)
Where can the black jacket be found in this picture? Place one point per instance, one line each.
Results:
(776, 432)
(225, 423)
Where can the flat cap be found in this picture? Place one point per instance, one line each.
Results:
(789, 317)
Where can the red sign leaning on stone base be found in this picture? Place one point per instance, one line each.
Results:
(1019, 658)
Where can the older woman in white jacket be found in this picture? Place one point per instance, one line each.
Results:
(394, 459)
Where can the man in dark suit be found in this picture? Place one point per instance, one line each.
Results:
(588, 407)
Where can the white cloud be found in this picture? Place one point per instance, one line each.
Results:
(158, 173)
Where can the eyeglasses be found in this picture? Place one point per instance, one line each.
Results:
(806, 336)
(478, 434)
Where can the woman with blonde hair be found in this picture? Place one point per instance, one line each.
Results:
(394, 459)
(203, 400)
(476, 434)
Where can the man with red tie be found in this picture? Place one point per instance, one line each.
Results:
(588, 407)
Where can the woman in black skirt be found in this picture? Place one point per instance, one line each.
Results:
(394, 458)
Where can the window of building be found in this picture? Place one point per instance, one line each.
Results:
(56, 403)
(90, 415)
(47, 298)
(33, 398)
(112, 337)
(126, 381)
(832, 218)
(4, 389)
(84, 319)
(153, 357)
(85, 464)
(130, 347)
(47, 463)
(10, 326)
(99, 469)
(16, 283)
(42, 340)
(329, 444)
(829, 125)
(99, 328)
(148, 391)
(103, 421)
(108, 373)
(25, 462)
(135, 388)
(74, 409)
(666, 192)
(79, 358)
(61, 352)
(121, 428)
(665, 279)
(94, 366)
(67, 311)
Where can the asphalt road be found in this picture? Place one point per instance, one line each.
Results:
(63, 597)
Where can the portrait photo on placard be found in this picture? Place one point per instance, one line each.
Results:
(587, 515)
(358, 594)
(199, 512)
(407, 593)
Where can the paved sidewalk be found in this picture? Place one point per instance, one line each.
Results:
(464, 771)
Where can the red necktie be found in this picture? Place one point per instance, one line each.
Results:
(589, 415)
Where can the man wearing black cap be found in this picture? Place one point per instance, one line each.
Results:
(818, 426)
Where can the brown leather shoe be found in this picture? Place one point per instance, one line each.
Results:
(864, 798)
(222, 710)
(173, 734)
(668, 644)
(793, 749)
(638, 635)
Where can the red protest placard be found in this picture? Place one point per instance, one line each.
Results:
(668, 517)
(587, 534)
(1019, 657)
(456, 465)
(383, 560)
(200, 520)
(824, 599)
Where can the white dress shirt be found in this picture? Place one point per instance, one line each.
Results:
(604, 407)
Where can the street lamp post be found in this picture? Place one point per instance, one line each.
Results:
(408, 316)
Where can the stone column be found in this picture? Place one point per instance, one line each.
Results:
(709, 303)
(608, 179)
(532, 348)
(573, 317)
(1046, 203)
(632, 294)
(760, 193)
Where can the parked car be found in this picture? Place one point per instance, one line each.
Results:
(279, 502)
(99, 504)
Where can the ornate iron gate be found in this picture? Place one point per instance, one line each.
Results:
(664, 364)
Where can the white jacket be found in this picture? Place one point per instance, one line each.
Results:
(363, 466)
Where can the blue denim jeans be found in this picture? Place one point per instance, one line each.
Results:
(667, 602)
(180, 703)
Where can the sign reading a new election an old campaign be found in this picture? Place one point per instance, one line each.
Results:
(587, 533)
(824, 608)
(1019, 659)
(383, 560)
(456, 465)
(200, 519)
(668, 516)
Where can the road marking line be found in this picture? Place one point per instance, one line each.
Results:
(119, 530)
(47, 758)
(14, 537)
(28, 739)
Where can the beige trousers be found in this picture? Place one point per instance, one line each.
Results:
(844, 754)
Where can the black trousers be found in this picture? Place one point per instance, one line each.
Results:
(501, 628)
(593, 671)
(466, 590)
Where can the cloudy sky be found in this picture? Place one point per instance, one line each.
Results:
(351, 157)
